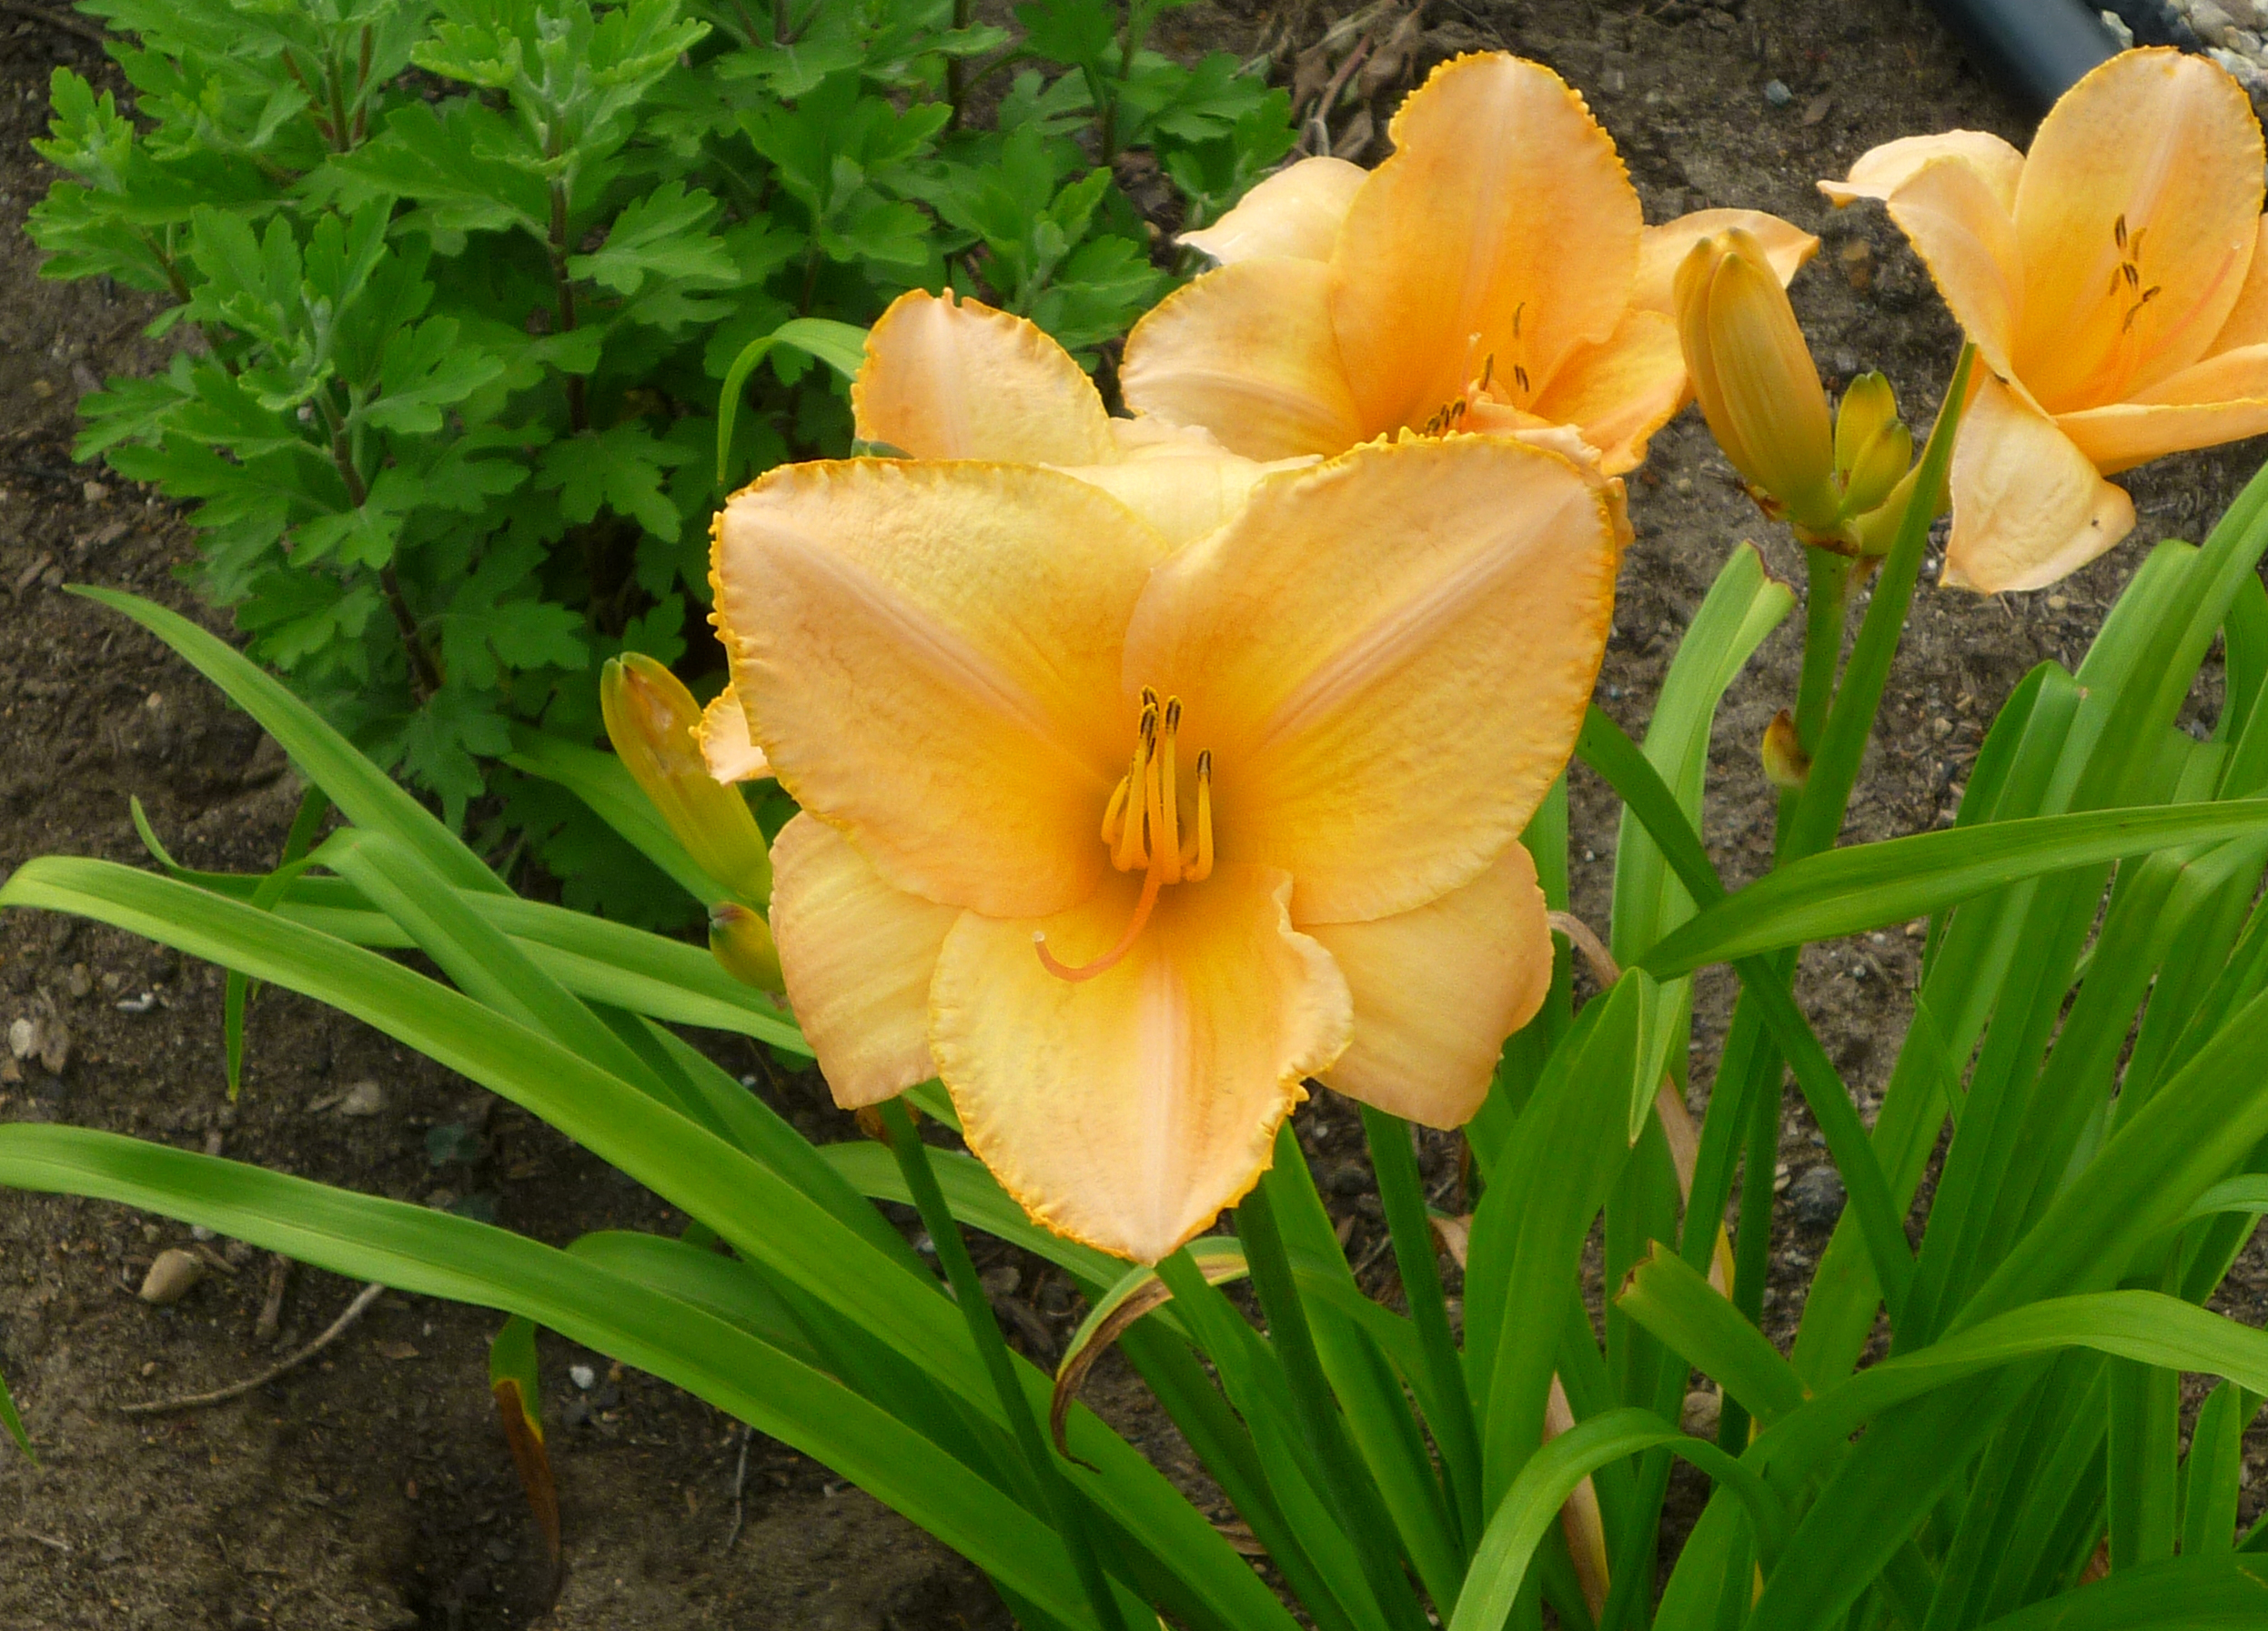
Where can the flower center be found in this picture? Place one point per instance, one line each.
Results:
(1143, 829)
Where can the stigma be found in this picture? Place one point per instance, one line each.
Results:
(1145, 831)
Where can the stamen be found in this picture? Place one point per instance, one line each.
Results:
(1200, 868)
(1129, 851)
(1165, 827)
(1142, 826)
(1109, 959)
(1115, 814)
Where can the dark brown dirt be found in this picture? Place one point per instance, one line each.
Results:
(372, 1489)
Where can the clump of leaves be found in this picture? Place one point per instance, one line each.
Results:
(459, 283)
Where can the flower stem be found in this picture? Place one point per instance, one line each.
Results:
(1361, 1511)
(1402, 1190)
(1062, 1505)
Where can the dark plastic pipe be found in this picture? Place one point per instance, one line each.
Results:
(2035, 50)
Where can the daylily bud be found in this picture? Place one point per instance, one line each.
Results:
(740, 941)
(1867, 407)
(651, 720)
(1786, 765)
(1755, 379)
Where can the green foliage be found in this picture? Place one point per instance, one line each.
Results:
(461, 278)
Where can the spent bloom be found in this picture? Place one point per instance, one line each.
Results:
(2110, 282)
(1125, 834)
(1494, 272)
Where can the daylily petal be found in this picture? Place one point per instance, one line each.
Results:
(1504, 227)
(2247, 324)
(1184, 497)
(958, 380)
(2153, 145)
(858, 956)
(2224, 399)
(1438, 989)
(1388, 657)
(1295, 212)
(1968, 240)
(1127, 1110)
(1663, 249)
(1619, 394)
(1248, 352)
(929, 656)
(1881, 171)
(731, 753)
(2028, 507)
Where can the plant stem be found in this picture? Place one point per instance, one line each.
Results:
(1063, 1505)
(1828, 598)
(578, 404)
(1362, 1513)
(956, 67)
(1401, 1189)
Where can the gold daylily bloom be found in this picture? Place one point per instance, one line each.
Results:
(2110, 282)
(1125, 838)
(1496, 273)
(1759, 388)
(946, 378)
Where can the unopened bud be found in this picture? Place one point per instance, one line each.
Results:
(740, 941)
(1754, 377)
(1786, 765)
(652, 720)
(1873, 448)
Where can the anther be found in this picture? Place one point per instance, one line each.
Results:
(1200, 867)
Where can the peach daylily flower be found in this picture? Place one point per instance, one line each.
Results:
(1496, 273)
(2110, 282)
(1123, 838)
(954, 379)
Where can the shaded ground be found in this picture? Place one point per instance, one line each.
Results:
(372, 1489)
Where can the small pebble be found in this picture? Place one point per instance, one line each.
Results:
(1703, 1407)
(93, 492)
(1858, 258)
(364, 1098)
(171, 1277)
(80, 983)
(1776, 93)
(2059, 602)
(1816, 1197)
(141, 1004)
(23, 1039)
(582, 1376)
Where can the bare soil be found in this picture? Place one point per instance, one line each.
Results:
(372, 1489)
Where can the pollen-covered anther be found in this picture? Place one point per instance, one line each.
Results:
(1143, 827)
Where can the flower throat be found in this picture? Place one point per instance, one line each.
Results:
(1143, 829)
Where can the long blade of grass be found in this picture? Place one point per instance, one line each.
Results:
(1865, 886)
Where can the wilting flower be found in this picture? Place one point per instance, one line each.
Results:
(1496, 273)
(1122, 839)
(2110, 282)
(1759, 390)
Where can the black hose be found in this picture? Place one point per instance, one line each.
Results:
(2034, 49)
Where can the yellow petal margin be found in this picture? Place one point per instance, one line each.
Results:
(929, 654)
(1438, 989)
(858, 957)
(947, 380)
(1389, 656)
(1125, 1112)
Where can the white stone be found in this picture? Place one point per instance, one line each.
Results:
(2210, 22)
